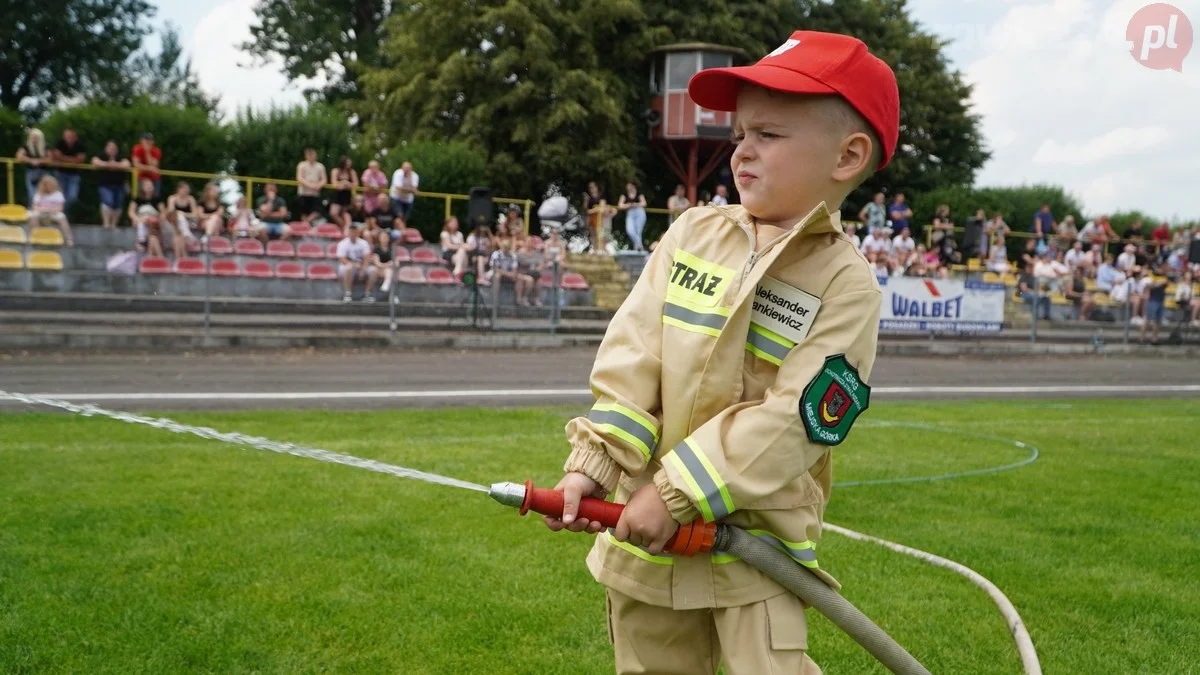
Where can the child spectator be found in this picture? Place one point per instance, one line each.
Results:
(48, 205)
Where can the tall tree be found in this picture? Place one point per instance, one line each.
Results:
(165, 78)
(49, 48)
(320, 39)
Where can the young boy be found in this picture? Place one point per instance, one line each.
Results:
(738, 361)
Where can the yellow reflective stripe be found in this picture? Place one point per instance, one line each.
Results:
(724, 558)
(803, 552)
(712, 497)
(627, 425)
(767, 344)
(689, 318)
(644, 555)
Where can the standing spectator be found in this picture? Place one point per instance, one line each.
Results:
(212, 211)
(633, 203)
(722, 196)
(1043, 223)
(273, 212)
(405, 182)
(34, 156)
(1161, 235)
(354, 258)
(592, 200)
(1156, 298)
(48, 203)
(530, 264)
(979, 247)
(704, 198)
(899, 212)
(69, 150)
(451, 241)
(1067, 234)
(311, 176)
(1134, 233)
(874, 213)
(147, 157)
(345, 181)
(145, 212)
(374, 182)
(182, 213)
(677, 204)
(112, 178)
(943, 226)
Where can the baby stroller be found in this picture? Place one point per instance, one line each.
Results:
(556, 213)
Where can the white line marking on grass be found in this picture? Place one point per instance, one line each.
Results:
(497, 393)
(1016, 626)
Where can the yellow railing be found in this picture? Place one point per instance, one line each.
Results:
(249, 182)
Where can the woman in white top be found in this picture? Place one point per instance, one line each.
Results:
(451, 241)
(33, 154)
(48, 203)
(998, 256)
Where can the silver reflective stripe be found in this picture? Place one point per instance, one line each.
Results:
(680, 313)
(765, 344)
(624, 423)
(711, 493)
(802, 554)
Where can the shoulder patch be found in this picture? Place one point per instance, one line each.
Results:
(831, 402)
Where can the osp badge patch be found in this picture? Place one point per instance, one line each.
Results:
(833, 400)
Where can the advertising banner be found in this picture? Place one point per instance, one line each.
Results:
(941, 305)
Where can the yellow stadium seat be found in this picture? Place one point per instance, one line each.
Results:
(13, 213)
(46, 236)
(992, 278)
(1170, 303)
(44, 260)
(11, 234)
(1010, 280)
(974, 264)
(10, 259)
(1089, 285)
(1059, 299)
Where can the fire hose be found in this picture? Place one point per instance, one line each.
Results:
(700, 537)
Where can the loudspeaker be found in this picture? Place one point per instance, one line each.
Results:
(480, 210)
(1194, 251)
(972, 228)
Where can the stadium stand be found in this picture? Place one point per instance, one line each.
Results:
(11, 259)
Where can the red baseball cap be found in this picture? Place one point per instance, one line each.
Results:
(811, 62)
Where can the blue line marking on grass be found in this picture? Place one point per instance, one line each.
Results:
(1033, 456)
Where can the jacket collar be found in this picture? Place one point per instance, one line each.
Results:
(817, 221)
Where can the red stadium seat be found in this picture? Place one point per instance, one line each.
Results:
(289, 270)
(574, 281)
(248, 247)
(413, 236)
(309, 249)
(321, 271)
(190, 266)
(426, 256)
(281, 249)
(411, 275)
(401, 254)
(259, 269)
(328, 231)
(300, 228)
(440, 276)
(331, 252)
(154, 265)
(547, 279)
(225, 268)
(219, 246)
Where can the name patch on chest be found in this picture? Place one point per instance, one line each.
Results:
(697, 281)
(784, 309)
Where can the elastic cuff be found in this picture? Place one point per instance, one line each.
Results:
(592, 460)
(678, 503)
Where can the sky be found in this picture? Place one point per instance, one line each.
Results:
(1061, 98)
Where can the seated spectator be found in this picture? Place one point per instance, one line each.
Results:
(998, 257)
(947, 250)
(504, 266)
(145, 212)
(383, 212)
(903, 244)
(1030, 255)
(1076, 292)
(182, 212)
(48, 207)
(272, 210)
(451, 240)
(212, 211)
(383, 264)
(311, 176)
(244, 224)
(357, 212)
(1076, 258)
(477, 249)
(530, 264)
(354, 256)
(554, 250)
(1050, 272)
(852, 232)
(374, 182)
(1161, 235)
(375, 235)
(112, 178)
(398, 227)
(1108, 276)
(1028, 290)
(1185, 297)
(877, 242)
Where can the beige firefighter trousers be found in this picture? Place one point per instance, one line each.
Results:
(764, 638)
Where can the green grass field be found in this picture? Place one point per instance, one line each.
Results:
(127, 549)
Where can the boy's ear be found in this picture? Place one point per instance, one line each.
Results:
(854, 157)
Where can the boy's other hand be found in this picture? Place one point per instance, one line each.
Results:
(574, 487)
(646, 521)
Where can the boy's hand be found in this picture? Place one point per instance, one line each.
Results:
(575, 486)
(646, 521)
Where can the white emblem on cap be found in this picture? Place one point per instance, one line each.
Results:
(792, 42)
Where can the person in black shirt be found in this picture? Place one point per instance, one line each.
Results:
(1027, 286)
(69, 150)
(113, 183)
(381, 258)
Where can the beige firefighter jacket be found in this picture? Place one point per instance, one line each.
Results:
(700, 386)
